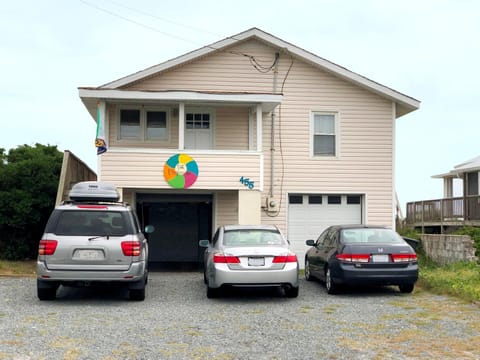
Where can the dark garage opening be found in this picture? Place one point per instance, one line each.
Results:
(180, 222)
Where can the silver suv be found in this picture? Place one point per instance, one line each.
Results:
(93, 239)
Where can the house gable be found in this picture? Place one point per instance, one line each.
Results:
(403, 103)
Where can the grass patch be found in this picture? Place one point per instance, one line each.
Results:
(17, 268)
(460, 279)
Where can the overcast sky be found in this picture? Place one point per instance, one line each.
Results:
(429, 50)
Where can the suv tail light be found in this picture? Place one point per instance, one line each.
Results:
(285, 258)
(47, 247)
(362, 258)
(396, 258)
(225, 259)
(131, 248)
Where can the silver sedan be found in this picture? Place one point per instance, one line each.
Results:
(249, 256)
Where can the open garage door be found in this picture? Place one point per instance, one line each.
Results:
(180, 222)
(309, 215)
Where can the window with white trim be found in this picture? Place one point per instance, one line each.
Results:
(324, 134)
(143, 123)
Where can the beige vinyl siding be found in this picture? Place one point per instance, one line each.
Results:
(364, 162)
(226, 208)
(223, 71)
(145, 170)
(231, 128)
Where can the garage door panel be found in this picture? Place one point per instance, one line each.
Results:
(308, 221)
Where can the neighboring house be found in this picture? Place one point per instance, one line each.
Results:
(271, 134)
(436, 216)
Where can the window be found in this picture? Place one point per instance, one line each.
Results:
(334, 199)
(156, 125)
(353, 199)
(315, 199)
(324, 134)
(295, 199)
(129, 124)
(198, 121)
(143, 124)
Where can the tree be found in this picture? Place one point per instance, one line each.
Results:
(28, 187)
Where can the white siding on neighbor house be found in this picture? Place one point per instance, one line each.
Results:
(364, 162)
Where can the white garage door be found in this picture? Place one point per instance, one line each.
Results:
(309, 215)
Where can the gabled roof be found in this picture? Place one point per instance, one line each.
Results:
(465, 167)
(404, 103)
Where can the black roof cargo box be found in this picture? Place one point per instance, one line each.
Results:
(94, 191)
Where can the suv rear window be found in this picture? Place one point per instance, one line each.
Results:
(89, 223)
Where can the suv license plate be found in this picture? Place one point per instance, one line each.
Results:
(256, 261)
(89, 254)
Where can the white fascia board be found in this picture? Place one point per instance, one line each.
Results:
(268, 101)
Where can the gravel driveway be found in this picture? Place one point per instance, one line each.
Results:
(177, 321)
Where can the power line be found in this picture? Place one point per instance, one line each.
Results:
(253, 61)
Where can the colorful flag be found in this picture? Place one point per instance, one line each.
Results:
(100, 142)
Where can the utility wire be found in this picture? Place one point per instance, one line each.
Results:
(253, 61)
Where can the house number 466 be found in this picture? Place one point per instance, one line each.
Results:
(247, 182)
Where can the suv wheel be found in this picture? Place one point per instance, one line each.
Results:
(46, 291)
(137, 294)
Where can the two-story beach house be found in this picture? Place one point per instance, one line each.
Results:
(250, 129)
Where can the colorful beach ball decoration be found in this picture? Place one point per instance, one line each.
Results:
(180, 171)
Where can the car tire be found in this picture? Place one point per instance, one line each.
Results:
(291, 291)
(406, 288)
(212, 293)
(137, 294)
(330, 285)
(46, 290)
(308, 275)
(46, 293)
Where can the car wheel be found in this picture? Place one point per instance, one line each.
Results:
(308, 275)
(406, 288)
(291, 291)
(332, 287)
(212, 293)
(204, 277)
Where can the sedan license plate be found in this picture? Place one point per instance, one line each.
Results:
(88, 254)
(382, 258)
(256, 261)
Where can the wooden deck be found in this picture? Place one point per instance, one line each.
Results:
(450, 212)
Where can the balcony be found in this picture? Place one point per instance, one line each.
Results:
(440, 213)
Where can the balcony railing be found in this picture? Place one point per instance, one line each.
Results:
(456, 211)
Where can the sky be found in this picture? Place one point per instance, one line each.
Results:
(429, 50)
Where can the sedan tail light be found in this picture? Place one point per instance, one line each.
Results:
(131, 248)
(285, 258)
(225, 259)
(396, 258)
(362, 258)
(47, 247)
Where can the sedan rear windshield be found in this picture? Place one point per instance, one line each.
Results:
(252, 238)
(90, 223)
(370, 235)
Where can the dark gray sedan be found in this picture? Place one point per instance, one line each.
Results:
(360, 254)
(249, 256)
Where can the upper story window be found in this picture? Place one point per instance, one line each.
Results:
(324, 127)
(143, 123)
(197, 120)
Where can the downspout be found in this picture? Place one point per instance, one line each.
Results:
(272, 127)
